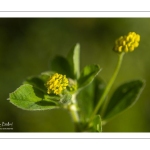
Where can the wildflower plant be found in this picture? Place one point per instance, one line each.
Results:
(82, 92)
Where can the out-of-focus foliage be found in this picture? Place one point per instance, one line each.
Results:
(27, 46)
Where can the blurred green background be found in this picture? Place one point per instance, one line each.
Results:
(28, 44)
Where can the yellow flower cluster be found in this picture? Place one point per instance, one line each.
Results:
(57, 83)
(127, 43)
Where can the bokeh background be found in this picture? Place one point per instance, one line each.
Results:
(28, 44)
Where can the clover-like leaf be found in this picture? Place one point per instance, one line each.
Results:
(31, 98)
(61, 65)
(89, 97)
(124, 97)
(74, 60)
(36, 82)
(87, 75)
(39, 81)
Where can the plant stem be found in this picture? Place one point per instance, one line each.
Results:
(108, 87)
(73, 111)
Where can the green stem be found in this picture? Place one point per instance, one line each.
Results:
(74, 112)
(109, 85)
(74, 115)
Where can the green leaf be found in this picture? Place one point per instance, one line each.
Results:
(44, 76)
(61, 65)
(39, 81)
(36, 82)
(74, 60)
(96, 125)
(85, 102)
(124, 97)
(87, 75)
(99, 87)
(89, 97)
(30, 98)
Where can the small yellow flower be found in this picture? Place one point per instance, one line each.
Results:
(127, 43)
(56, 84)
